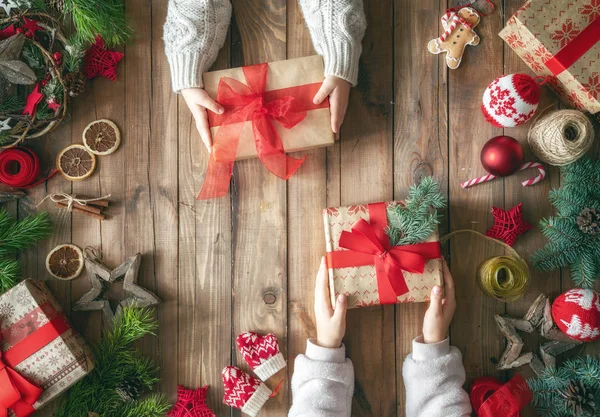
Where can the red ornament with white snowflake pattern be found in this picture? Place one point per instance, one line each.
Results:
(577, 314)
(510, 100)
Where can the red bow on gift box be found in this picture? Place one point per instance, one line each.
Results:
(253, 103)
(16, 392)
(368, 244)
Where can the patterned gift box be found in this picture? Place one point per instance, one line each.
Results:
(39, 343)
(561, 39)
(361, 283)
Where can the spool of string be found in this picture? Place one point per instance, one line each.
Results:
(561, 137)
(505, 278)
(20, 168)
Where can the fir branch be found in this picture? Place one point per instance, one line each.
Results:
(18, 235)
(105, 18)
(74, 54)
(10, 272)
(12, 104)
(153, 406)
(35, 59)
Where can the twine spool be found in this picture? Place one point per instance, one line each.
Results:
(561, 137)
(505, 278)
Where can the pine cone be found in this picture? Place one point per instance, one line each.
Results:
(589, 221)
(58, 5)
(579, 399)
(75, 83)
(129, 390)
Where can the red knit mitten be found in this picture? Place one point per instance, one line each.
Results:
(244, 392)
(261, 353)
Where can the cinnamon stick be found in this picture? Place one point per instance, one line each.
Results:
(87, 207)
(99, 203)
(98, 216)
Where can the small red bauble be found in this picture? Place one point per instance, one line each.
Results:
(502, 156)
(57, 58)
(577, 314)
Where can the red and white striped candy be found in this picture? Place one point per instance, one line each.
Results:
(526, 183)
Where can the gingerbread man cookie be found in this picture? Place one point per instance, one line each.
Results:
(459, 33)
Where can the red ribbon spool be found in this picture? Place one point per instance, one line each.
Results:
(20, 167)
(491, 398)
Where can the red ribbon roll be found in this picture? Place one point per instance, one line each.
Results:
(491, 398)
(20, 167)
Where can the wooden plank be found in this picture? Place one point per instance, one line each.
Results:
(534, 199)
(139, 232)
(307, 193)
(204, 301)
(478, 340)
(259, 205)
(366, 176)
(420, 136)
(164, 183)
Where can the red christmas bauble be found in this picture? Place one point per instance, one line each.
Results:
(577, 314)
(57, 57)
(502, 156)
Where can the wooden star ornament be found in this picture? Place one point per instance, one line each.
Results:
(538, 318)
(101, 276)
(508, 225)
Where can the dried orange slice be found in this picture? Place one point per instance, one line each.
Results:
(65, 262)
(102, 137)
(75, 162)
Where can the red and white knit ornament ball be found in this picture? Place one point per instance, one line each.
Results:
(577, 314)
(510, 100)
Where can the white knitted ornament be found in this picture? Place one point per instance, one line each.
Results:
(510, 100)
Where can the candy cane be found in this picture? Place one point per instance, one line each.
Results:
(526, 183)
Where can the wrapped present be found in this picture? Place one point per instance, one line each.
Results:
(363, 266)
(43, 355)
(269, 111)
(561, 39)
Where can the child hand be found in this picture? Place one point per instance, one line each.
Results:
(338, 91)
(440, 312)
(331, 324)
(198, 102)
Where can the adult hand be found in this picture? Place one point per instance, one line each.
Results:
(331, 324)
(338, 91)
(441, 310)
(198, 102)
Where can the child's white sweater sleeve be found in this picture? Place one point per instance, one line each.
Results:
(194, 32)
(433, 377)
(337, 28)
(323, 383)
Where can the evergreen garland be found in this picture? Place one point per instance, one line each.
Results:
(573, 231)
(16, 235)
(416, 219)
(571, 390)
(12, 104)
(105, 18)
(118, 363)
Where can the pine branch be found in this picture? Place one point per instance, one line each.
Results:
(18, 235)
(153, 406)
(10, 274)
(12, 104)
(105, 18)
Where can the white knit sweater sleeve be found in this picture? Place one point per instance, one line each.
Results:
(337, 28)
(434, 376)
(194, 32)
(323, 383)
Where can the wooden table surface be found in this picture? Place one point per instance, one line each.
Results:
(248, 261)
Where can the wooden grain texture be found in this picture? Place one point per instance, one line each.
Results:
(366, 175)
(306, 198)
(420, 136)
(259, 203)
(470, 208)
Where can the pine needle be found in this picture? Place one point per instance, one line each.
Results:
(105, 18)
(18, 235)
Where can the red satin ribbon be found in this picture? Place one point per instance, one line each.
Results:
(20, 168)
(368, 244)
(253, 103)
(491, 398)
(575, 49)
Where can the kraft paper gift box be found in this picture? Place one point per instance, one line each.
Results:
(359, 272)
(561, 39)
(39, 344)
(269, 111)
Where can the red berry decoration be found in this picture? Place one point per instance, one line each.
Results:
(577, 314)
(511, 100)
(502, 156)
(57, 57)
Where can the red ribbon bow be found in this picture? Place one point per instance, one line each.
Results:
(249, 102)
(491, 398)
(16, 392)
(368, 244)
